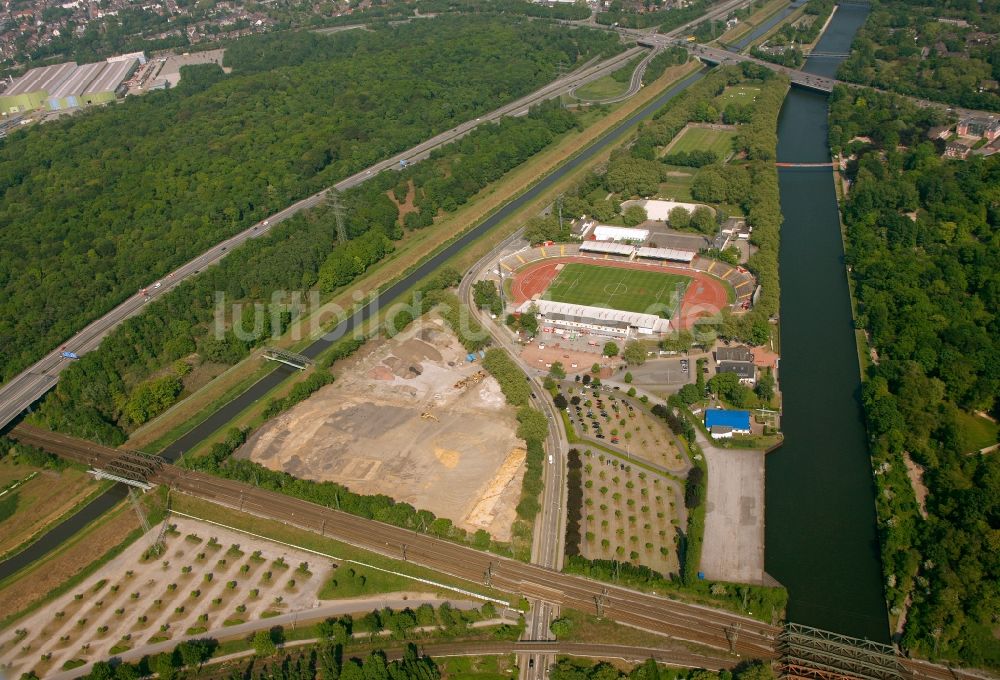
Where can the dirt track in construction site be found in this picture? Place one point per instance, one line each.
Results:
(414, 420)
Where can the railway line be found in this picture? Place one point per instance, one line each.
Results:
(699, 625)
(710, 628)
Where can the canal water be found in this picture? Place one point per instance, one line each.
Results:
(821, 535)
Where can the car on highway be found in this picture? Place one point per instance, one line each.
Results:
(157, 284)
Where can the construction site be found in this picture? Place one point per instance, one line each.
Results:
(415, 418)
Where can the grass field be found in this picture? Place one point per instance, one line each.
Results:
(980, 432)
(700, 139)
(744, 94)
(602, 88)
(627, 290)
(677, 186)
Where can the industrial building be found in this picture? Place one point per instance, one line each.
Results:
(603, 232)
(610, 322)
(659, 211)
(69, 85)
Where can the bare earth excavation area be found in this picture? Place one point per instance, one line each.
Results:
(413, 420)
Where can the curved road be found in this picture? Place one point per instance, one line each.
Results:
(550, 526)
(634, 85)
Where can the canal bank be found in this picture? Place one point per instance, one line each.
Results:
(820, 505)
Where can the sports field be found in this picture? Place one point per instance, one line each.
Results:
(704, 139)
(628, 290)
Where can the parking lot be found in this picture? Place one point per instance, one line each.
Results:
(606, 416)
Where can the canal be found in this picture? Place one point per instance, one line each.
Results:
(820, 536)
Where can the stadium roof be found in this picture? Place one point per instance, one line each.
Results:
(607, 247)
(666, 254)
(45, 78)
(738, 420)
(598, 315)
(111, 76)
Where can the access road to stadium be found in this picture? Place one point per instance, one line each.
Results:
(550, 523)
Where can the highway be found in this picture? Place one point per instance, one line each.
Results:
(18, 393)
(812, 81)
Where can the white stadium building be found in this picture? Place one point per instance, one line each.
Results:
(611, 322)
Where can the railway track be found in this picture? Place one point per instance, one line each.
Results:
(712, 628)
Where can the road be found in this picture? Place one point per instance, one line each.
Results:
(635, 84)
(548, 539)
(28, 386)
(804, 79)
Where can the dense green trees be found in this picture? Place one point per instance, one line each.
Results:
(97, 205)
(923, 244)
(96, 397)
(672, 56)
(904, 46)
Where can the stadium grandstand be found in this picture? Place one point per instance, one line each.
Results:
(669, 254)
(629, 251)
(607, 248)
(611, 322)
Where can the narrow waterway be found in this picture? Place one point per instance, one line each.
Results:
(821, 537)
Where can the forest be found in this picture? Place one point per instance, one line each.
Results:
(100, 204)
(923, 247)
(943, 51)
(138, 370)
(751, 183)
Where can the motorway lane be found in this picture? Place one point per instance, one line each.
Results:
(28, 386)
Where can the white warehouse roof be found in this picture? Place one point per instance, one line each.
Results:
(604, 232)
(599, 315)
(660, 210)
(607, 247)
(666, 254)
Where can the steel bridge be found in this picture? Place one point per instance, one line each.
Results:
(813, 654)
(133, 468)
(292, 359)
(284, 356)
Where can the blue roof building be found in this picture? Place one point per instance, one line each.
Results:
(723, 423)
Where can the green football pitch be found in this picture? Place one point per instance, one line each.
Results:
(628, 290)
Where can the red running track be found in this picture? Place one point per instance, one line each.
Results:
(705, 296)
